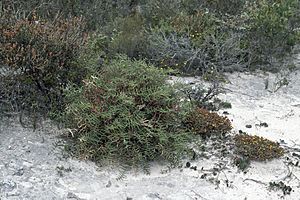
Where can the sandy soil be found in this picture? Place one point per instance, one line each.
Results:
(33, 166)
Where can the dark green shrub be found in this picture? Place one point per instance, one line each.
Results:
(126, 112)
(38, 60)
(196, 26)
(271, 31)
(257, 148)
(156, 11)
(128, 36)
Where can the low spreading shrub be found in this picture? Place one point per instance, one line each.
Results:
(205, 123)
(126, 112)
(257, 148)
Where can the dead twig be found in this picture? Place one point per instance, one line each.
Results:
(198, 195)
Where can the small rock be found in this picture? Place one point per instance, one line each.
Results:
(248, 126)
(188, 164)
(226, 113)
(203, 176)
(282, 141)
(296, 155)
(264, 124)
(108, 184)
(194, 168)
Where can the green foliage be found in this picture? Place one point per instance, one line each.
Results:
(128, 113)
(128, 23)
(156, 11)
(225, 105)
(242, 163)
(196, 37)
(197, 26)
(221, 7)
(257, 148)
(96, 13)
(128, 36)
(271, 30)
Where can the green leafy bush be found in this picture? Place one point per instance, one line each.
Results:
(271, 31)
(38, 60)
(128, 36)
(156, 11)
(126, 112)
(257, 148)
(196, 26)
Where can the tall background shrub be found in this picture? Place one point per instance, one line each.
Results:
(38, 59)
